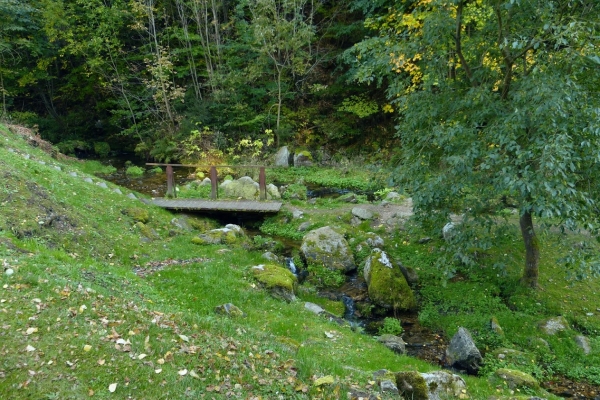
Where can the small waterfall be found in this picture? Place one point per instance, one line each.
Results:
(289, 263)
(350, 308)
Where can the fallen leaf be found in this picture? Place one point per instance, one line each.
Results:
(160, 361)
(30, 348)
(31, 330)
(112, 387)
(329, 335)
(326, 380)
(158, 370)
(142, 356)
(184, 338)
(101, 361)
(183, 372)
(193, 374)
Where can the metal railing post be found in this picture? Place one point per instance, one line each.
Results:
(214, 194)
(170, 181)
(262, 183)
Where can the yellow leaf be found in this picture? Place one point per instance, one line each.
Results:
(326, 380)
(87, 347)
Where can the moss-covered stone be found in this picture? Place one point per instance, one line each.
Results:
(244, 188)
(146, 231)
(326, 247)
(517, 379)
(412, 385)
(231, 234)
(138, 214)
(514, 357)
(387, 285)
(280, 281)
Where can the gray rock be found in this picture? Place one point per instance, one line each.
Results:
(303, 159)
(447, 231)
(517, 379)
(554, 325)
(73, 174)
(312, 200)
(181, 223)
(362, 213)
(117, 191)
(273, 192)
(584, 344)
(102, 185)
(355, 221)
(26, 156)
(297, 214)
(410, 274)
(131, 196)
(394, 343)
(393, 196)
(495, 326)
(56, 167)
(327, 247)
(444, 385)
(348, 198)
(388, 386)
(374, 240)
(282, 157)
(462, 352)
(304, 226)
(88, 180)
(244, 188)
(230, 310)
(270, 256)
(314, 308)
(424, 240)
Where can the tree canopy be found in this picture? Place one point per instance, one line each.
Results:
(497, 105)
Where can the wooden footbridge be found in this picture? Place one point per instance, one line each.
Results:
(214, 204)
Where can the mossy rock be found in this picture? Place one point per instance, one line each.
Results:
(138, 214)
(146, 231)
(326, 247)
(412, 385)
(231, 234)
(278, 280)
(387, 285)
(517, 379)
(244, 188)
(202, 224)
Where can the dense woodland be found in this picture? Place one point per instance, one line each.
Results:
(480, 104)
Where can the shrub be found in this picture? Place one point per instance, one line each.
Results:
(391, 326)
(134, 171)
(101, 149)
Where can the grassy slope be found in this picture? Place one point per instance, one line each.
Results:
(74, 287)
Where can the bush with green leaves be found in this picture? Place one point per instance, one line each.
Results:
(134, 171)
(323, 277)
(390, 326)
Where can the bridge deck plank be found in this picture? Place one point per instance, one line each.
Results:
(218, 205)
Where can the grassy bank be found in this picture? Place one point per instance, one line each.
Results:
(109, 299)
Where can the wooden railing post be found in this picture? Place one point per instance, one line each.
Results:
(170, 181)
(213, 183)
(262, 183)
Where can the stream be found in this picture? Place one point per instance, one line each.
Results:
(420, 341)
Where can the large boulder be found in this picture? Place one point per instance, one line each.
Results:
(327, 247)
(273, 192)
(244, 188)
(386, 284)
(278, 280)
(462, 352)
(282, 157)
(303, 158)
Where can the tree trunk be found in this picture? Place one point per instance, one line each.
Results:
(532, 251)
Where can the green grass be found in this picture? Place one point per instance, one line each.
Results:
(73, 248)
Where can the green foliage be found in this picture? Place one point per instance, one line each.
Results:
(295, 191)
(323, 277)
(70, 146)
(273, 226)
(134, 170)
(359, 106)
(102, 149)
(503, 110)
(390, 326)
